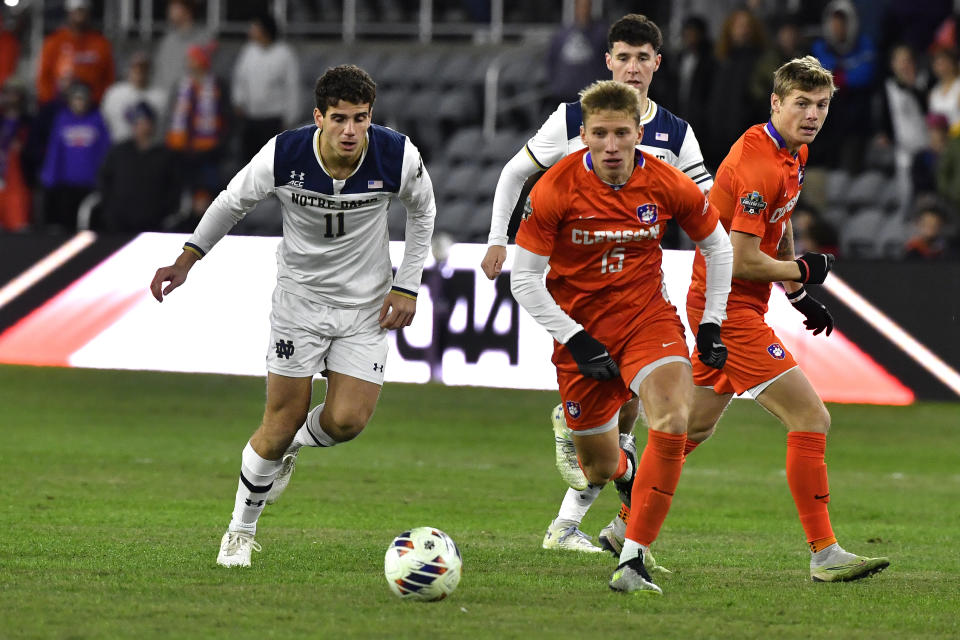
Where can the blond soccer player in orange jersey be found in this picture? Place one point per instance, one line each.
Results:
(596, 217)
(756, 189)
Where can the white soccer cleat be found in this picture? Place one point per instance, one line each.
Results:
(566, 536)
(632, 577)
(612, 537)
(287, 465)
(235, 549)
(837, 565)
(566, 453)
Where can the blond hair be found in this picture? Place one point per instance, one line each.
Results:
(802, 74)
(610, 95)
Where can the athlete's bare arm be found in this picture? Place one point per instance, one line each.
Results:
(785, 253)
(750, 263)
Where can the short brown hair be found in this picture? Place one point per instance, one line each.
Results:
(803, 74)
(610, 95)
(346, 82)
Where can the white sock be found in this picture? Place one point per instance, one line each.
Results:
(256, 478)
(576, 503)
(834, 554)
(311, 434)
(631, 549)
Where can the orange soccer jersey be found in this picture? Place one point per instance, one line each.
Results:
(605, 260)
(756, 189)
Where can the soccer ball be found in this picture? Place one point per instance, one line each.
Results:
(422, 564)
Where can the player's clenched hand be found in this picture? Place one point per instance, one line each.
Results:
(592, 357)
(713, 353)
(814, 267)
(493, 261)
(176, 275)
(397, 311)
(817, 316)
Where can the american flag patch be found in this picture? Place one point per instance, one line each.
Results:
(374, 184)
(662, 136)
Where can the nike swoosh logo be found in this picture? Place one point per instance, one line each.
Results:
(816, 497)
(717, 345)
(667, 344)
(600, 357)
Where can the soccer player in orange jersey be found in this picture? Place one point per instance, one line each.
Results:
(757, 187)
(596, 217)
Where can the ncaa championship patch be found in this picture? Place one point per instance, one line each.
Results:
(647, 213)
(573, 408)
(753, 203)
(776, 351)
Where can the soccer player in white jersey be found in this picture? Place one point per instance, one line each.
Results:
(336, 296)
(634, 43)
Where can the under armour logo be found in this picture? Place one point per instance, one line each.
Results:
(253, 503)
(378, 367)
(284, 348)
(296, 179)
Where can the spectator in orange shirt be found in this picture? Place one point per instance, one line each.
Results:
(14, 128)
(9, 50)
(75, 52)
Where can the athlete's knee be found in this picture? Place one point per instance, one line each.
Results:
(598, 472)
(345, 423)
(674, 419)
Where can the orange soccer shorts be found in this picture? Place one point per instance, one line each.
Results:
(754, 354)
(652, 337)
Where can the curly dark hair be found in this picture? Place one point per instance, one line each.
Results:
(346, 82)
(636, 30)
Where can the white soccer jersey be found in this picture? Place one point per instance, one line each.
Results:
(665, 136)
(335, 246)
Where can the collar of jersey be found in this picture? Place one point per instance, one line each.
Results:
(778, 139)
(588, 164)
(649, 113)
(316, 153)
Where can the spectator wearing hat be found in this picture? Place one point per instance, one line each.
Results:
(75, 52)
(266, 86)
(945, 94)
(139, 181)
(198, 128)
(14, 131)
(182, 33)
(77, 145)
(123, 96)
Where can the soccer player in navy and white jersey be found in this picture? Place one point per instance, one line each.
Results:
(634, 43)
(336, 296)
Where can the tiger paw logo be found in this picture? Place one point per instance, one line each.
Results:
(573, 408)
(647, 213)
(776, 351)
(753, 203)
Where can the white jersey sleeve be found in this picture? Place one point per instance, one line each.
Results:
(529, 289)
(691, 161)
(252, 184)
(416, 195)
(542, 151)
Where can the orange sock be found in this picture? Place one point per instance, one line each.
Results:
(658, 473)
(688, 447)
(807, 477)
(621, 466)
(624, 513)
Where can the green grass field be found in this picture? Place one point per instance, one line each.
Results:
(118, 485)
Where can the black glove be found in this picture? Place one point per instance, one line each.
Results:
(592, 357)
(818, 317)
(713, 353)
(814, 267)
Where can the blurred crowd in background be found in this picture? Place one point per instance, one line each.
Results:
(127, 135)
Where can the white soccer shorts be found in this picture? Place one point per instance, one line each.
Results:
(308, 337)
